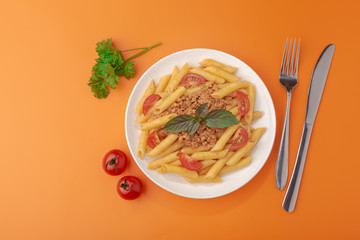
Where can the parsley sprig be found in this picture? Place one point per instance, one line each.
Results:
(110, 65)
(218, 118)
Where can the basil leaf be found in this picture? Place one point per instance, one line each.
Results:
(194, 127)
(220, 118)
(201, 111)
(179, 124)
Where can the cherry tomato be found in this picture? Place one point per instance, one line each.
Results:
(129, 187)
(153, 139)
(114, 162)
(192, 79)
(240, 137)
(149, 102)
(189, 163)
(243, 103)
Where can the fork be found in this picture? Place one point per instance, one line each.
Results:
(289, 79)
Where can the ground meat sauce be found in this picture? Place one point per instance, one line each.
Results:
(187, 105)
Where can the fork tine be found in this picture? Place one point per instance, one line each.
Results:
(292, 59)
(288, 58)
(284, 57)
(297, 59)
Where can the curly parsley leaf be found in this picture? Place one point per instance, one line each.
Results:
(110, 65)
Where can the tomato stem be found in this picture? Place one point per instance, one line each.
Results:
(112, 162)
(125, 186)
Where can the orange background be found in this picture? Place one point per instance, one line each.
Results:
(54, 133)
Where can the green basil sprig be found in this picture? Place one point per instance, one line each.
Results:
(218, 118)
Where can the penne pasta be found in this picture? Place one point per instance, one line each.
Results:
(229, 89)
(174, 147)
(149, 90)
(207, 163)
(163, 145)
(210, 62)
(157, 122)
(163, 82)
(247, 148)
(225, 137)
(242, 163)
(142, 143)
(201, 179)
(251, 96)
(256, 115)
(216, 168)
(176, 80)
(223, 74)
(203, 171)
(143, 118)
(191, 90)
(208, 76)
(209, 155)
(170, 100)
(190, 150)
(179, 170)
(167, 159)
(174, 72)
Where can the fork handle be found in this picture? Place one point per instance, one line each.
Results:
(281, 169)
(293, 189)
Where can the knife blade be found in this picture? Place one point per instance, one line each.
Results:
(316, 88)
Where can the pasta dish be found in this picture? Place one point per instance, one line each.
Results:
(196, 122)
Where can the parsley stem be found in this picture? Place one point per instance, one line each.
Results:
(142, 52)
(133, 49)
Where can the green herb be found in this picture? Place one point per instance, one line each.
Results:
(110, 65)
(112, 162)
(218, 118)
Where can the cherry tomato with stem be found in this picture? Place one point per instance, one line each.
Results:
(114, 162)
(129, 187)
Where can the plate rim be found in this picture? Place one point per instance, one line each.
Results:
(209, 196)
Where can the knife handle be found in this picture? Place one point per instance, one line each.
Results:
(293, 189)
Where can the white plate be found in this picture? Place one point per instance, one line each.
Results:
(232, 181)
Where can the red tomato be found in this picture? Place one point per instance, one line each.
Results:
(189, 163)
(192, 79)
(114, 162)
(149, 102)
(129, 187)
(243, 103)
(241, 136)
(153, 139)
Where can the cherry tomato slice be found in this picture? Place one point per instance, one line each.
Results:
(149, 102)
(114, 162)
(243, 103)
(129, 187)
(242, 137)
(153, 139)
(192, 79)
(189, 163)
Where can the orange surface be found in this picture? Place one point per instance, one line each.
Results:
(54, 133)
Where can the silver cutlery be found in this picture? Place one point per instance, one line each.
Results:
(317, 84)
(289, 79)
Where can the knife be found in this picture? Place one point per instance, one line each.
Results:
(316, 88)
